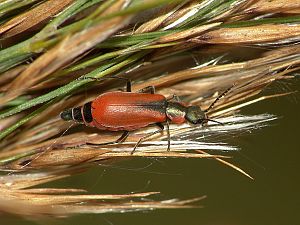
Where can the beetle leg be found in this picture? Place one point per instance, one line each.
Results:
(177, 99)
(168, 133)
(123, 137)
(128, 83)
(119, 140)
(147, 136)
(161, 126)
(147, 89)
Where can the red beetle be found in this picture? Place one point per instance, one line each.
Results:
(128, 111)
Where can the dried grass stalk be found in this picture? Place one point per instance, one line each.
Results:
(158, 42)
(35, 204)
(40, 14)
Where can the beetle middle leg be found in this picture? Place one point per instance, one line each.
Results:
(121, 139)
(161, 128)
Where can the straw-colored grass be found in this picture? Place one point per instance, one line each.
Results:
(187, 48)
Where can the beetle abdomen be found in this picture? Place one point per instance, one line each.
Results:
(128, 111)
(81, 114)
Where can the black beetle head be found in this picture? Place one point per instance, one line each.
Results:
(195, 115)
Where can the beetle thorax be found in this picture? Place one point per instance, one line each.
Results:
(176, 112)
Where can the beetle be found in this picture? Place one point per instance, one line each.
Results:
(129, 111)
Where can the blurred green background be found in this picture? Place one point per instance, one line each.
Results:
(270, 155)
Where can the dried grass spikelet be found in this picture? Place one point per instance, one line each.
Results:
(249, 80)
(19, 198)
(38, 147)
(66, 51)
(277, 6)
(253, 34)
(40, 14)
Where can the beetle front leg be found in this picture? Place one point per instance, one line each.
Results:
(175, 97)
(161, 126)
(168, 134)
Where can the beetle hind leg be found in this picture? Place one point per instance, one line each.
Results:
(121, 139)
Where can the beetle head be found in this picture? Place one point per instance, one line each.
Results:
(195, 115)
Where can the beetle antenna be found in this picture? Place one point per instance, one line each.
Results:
(214, 121)
(29, 161)
(218, 98)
